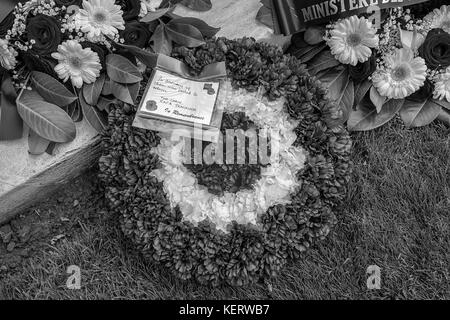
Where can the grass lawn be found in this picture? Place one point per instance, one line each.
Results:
(397, 216)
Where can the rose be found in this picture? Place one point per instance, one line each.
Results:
(362, 71)
(46, 32)
(68, 3)
(6, 24)
(436, 49)
(136, 33)
(131, 9)
(423, 93)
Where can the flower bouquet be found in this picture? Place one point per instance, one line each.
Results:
(62, 61)
(393, 62)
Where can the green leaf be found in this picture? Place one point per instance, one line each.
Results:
(107, 88)
(335, 81)
(36, 144)
(347, 99)
(361, 90)
(148, 58)
(122, 70)
(324, 60)
(419, 114)
(104, 103)
(197, 5)
(125, 93)
(185, 35)
(443, 103)
(47, 120)
(96, 118)
(202, 26)
(74, 111)
(51, 89)
(308, 53)
(444, 116)
(92, 91)
(377, 99)
(161, 42)
(11, 125)
(366, 117)
(152, 16)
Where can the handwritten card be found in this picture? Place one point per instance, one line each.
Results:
(173, 97)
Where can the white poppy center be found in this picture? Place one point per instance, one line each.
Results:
(401, 73)
(354, 39)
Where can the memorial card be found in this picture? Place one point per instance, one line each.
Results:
(172, 97)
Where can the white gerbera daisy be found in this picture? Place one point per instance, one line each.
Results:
(7, 55)
(351, 40)
(439, 18)
(78, 64)
(442, 86)
(401, 75)
(99, 17)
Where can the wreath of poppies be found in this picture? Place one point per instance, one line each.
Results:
(244, 253)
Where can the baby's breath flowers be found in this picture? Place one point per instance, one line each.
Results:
(7, 55)
(100, 18)
(78, 64)
(351, 40)
(442, 86)
(400, 74)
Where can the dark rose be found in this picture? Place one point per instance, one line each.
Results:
(423, 93)
(68, 3)
(99, 49)
(136, 33)
(436, 49)
(131, 9)
(6, 24)
(362, 71)
(46, 31)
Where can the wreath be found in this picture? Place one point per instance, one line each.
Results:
(240, 249)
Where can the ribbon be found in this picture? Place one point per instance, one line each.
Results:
(214, 71)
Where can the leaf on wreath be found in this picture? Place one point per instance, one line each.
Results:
(74, 111)
(366, 117)
(205, 29)
(154, 15)
(36, 144)
(122, 70)
(197, 5)
(444, 116)
(92, 91)
(11, 124)
(361, 90)
(264, 16)
(161, 42)
(126, 93)
(96, 118)
(51, 89)
(335, 80)
(323, 61)
(443, 103)
(419, 114)
(107, 89)
(148, 58)
(48, 120)
(377, 99)
(307, 53)
(104, 103)
(184, 34)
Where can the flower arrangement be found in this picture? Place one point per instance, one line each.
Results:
(65, 60)
(233, 224)
(400, 68)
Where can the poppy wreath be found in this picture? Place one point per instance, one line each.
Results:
(246, 253)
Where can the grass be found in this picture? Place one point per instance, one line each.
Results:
(396, 217)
